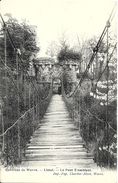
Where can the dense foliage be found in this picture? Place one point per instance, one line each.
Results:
(94, 115)
(66, 54)
(20, 94)
(24, 38)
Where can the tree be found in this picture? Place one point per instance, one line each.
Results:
(53, 49)
(24, 38)
(99, 62)
(66, 54)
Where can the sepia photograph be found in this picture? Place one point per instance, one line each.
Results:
(58, 91)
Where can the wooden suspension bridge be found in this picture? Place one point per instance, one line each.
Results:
(53, 129)
(57, 141)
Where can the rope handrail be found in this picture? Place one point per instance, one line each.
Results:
(17, 121)
(99, 119)
(94, 115)
(13, 81)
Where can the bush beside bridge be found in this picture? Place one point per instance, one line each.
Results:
(90, 118)
(33, 106)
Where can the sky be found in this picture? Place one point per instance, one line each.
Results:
(54, 18)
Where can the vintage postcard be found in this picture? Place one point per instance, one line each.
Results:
(58, 91)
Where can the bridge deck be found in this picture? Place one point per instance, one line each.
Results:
(57, 141)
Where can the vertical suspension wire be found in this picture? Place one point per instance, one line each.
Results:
(33, 105)
(96, 65)
(6, 140)
(81, 107)
(36, 98)
(37, 107)
(93, 70)
(18, 105)
(95, 77)
(3, 138)
(37, 104)
(5, 54)
(29, 96)
(79, 111)
(74, 106)
(1, 104)
(6, 88)
(107, 100)
(24, 90)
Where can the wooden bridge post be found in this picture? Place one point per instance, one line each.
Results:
(18, 109)
(79, 107)
(19, 142)
(33, 105)
(29, 94)
(2, 122)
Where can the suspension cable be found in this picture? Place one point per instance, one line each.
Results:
(95, 50)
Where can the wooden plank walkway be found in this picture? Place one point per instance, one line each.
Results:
(57, 141)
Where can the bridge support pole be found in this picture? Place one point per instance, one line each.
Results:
(79, 112)
(107, 125)
(18, 110)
